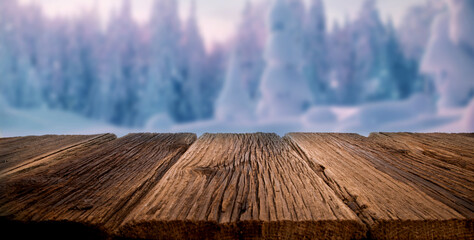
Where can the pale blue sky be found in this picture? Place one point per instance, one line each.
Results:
(218, 18)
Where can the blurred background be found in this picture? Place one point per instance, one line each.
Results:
(89, 66)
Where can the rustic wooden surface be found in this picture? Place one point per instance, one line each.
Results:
(392, 208)
(22, 151)
(238, 186)
(440, 165)
(256, 180)
(98, 188)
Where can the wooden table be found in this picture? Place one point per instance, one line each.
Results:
(238, 186)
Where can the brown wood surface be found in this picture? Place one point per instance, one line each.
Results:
(251, 186)
(19, 151)
(97, 188)
(392, 208)
(238, 186)
(439, 164)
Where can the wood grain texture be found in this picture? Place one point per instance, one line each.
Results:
(238, 186)
(242, 186)
(93, 190)
(439, 164)
(391, 208)
(19, 151)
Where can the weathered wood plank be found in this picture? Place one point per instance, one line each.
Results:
(439, 164)
(391, 208)
(234, 186)
(95, 190)
(466, 134)
(20, 151)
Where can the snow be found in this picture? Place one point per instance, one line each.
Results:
(234, 104)
(3, 107)
(42, 121)
(414, 31)
(468, 118)
(461, 19)
(416, 114)
(320, 115)
(464, 119)
(450, 58)
(316, 57)
(159, 121)
(237, 98)
(378, 114)
(284, 91)
(282, 74)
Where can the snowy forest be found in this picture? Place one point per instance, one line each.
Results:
(284, 70)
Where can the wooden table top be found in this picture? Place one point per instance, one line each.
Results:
(238, 186)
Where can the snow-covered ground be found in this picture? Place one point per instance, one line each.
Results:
(41, 121)
(414, 115)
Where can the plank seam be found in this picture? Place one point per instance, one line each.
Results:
(347, 198)
(146, 187)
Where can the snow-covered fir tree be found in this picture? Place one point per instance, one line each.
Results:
(85, 85)
(367, 61)
(284, 91)
(342, 65)
(98, 57)
(450, 54)
(316, 63)
(461, 31)
(368, 36)
(6, 48)
(192, 104)
(20, 82)
(400, 77)
(215, 70)
(234, 103)
(238, 97)
(249, 44)
(122, 75)
(164, 85)
(414, 30)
